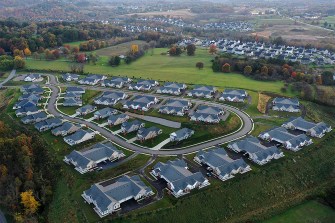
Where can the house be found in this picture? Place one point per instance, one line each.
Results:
(117, 119)
(171, 88)
(140, 102)
(110, 98)
(202, 91)
(33, 78)
(70, 102)
(65, 129)
(30, 97)
(233, 95)
(87, 109)
(92, 79)
(79, 136)
(310, 128)
(288, 140)
(31, 89)
(148, 133)
(47, 124)
(221, 165)
(70, 77)
(27, 111)
(76, 90)
(255, 151)
(181, 134)
(88, 160)
(74, 95)
(128, 127)
(117, 82)
(175, 107)
(108, 196)
(208, 114)
(33, 118)
(104, 113)
(286, 104)
(143, 85)
(25, 103)
(179, 179)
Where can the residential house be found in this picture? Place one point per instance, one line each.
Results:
(89, 160)
(74, 95)
(181, 134)
(171, 88)
(92, 79)
(27, 111)
(221, 165)
(233, 95)
(33, 78)
(286, 104)
(104, 113)
(87, 109)
(25, 103)
(133, 126)
(140, 102)
(108, 196)
(179, 179)
(48, 124)
(255, 151)
(110, 98)
(65, 129)
(117, 119)
(33, 118)
(70, 77)
(148, 133)
(143, 85)
(202, 91)
(76, 90)
(71, 102)
(31, 89)
(116, 82)
(175, 107)
(30, 97)
(79, 136)
(208, 114)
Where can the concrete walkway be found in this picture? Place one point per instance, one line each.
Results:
(160, 145)
(131, 140)
(117, 131)
(156, 120)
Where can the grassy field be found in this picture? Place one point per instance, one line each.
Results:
(119, 49)
(72, 44)
(166, 68)
(311, 211)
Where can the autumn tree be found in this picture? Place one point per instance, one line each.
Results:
(190, 49)
(264, 71)
(18, 52)
(75, 50)
(29, 202)
(27, 52)
(134, 48)
(226, 68)
(247, 70)
(19, 62)
(81, 58)
(212, 49)
(2, 51)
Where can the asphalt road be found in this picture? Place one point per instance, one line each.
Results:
(246, 128)
(10, 76)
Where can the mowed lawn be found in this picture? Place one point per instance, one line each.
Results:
(311, 211)
(166, 68)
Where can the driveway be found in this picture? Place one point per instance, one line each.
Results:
(156, 120)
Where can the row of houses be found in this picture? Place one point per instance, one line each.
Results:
(73, 96)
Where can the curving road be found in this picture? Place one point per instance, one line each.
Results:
(245, 129)
(10, 76)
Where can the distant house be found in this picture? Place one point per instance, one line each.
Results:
(31, 89)
(92, 79)
(148, 133)
(117, 119)
(128, 127)
(288, 140)
(76, 90)
(171, 88)
(79, 136)
(27, 111)
(110, 98)
(255, 151)
(207, 114)
(286, 104)
(104, 113)
(116, 82)
(25, 103)
(179, 179)
(88, 160)
(87, 109)
(33, 78)
(222, 166)
(70, 77)
(143, 85)
(233, 95)
(313, 129)
(175, 107)
(71, 102)
(48, 124)
(33, 118)
(65, 129)
(108, 196)
(202, 91)
(181, 134)
(140, 102)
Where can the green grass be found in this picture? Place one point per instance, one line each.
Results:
(119, 49)
(311, 211)
(72, 44)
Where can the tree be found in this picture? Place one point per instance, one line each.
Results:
(19, 62)
(81, 58)
(2, 51)
(264, 71)
(114, 61)
(212, 49)
(152, 45)
(56, 53)
(190, 49)
(35, 55)
(325, 24)
(18, 52)
(134, 48)
(199, 65)
(75, 49)
(175, 51)
(327, 78)
(29, 202)
(247, 70)
(93, 58)
(226, 68)
(27, 52)
(278, 41)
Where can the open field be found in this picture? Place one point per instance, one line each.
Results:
(181, 13)
(72, 44)
(311, 211)
(119, 49)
